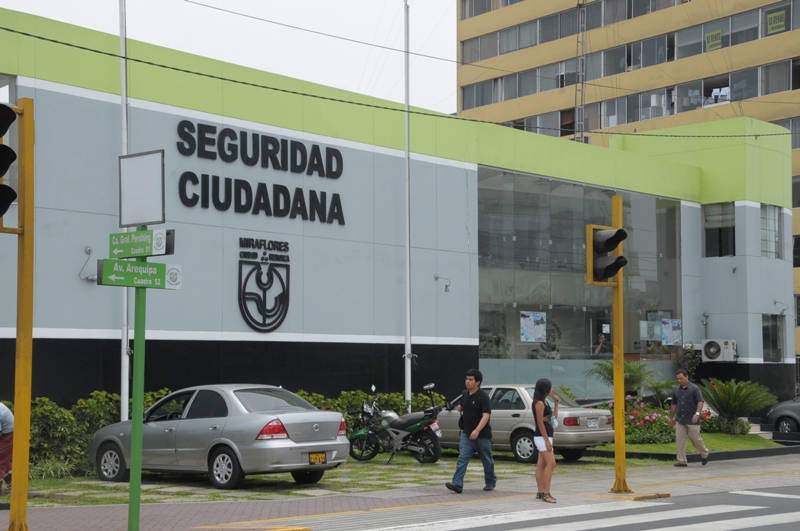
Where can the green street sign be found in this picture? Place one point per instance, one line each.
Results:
(155, 242)
(138, 274)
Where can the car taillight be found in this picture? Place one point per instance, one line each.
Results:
(572, 421)
(273, 430)
(342, 428)
(609, 420)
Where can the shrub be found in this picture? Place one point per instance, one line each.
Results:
(733, 399)
(636, 374)
(644, 423)
(689, 359)
(54, 433)
(52, 468)
(716, 424)
(659, 389)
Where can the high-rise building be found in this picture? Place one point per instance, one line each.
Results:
(649, 64)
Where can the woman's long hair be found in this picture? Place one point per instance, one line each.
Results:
(542, 389)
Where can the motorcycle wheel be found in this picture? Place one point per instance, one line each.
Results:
(363, 448)
(432, 449)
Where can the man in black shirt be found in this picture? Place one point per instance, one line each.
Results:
(686, 408)
(476, 433)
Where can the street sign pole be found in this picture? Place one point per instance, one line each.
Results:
(140, 312)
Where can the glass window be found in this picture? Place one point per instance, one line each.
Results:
(796, 193)
(640, 7)
(479, 7)
(614, 61)
(770, 231)
(594, 15)
(527, 34)
(796, 256)
(270, 399)
(658, 5)
(570, 72)
(654, 51)
(635, 56)
(569, 23)
(548, 77)
(615, 11)
(510, 87)
(633, 108)
(796, 17)
(744, 84)
(654, 104)
(488, 46)
(796, 135)
(719, 230)
(548, 29)
(771, 327)
(591, 117)
(509, 40)
(594, 66)
(507, 399)
(690, 96)
(483, 93)
(207, 404)
(468, 97)
(527, 83)
(614, 112)
(716, 35)
(744, 28)
(530, 124)
(170, 408)
(775, 19)
(716, 90)
(549, 124)
(689, 42)
(775, 78)
(471, 51)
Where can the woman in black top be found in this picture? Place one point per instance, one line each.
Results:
(543, 417)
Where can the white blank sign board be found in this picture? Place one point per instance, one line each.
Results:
(141, 189)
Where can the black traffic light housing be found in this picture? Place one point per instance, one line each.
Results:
(600, 266)
(7, 158)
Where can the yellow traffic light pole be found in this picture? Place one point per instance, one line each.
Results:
(22, 375)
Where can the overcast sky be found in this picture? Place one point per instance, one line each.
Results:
(185, 25)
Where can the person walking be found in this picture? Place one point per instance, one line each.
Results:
(544, 418)
(476, 433)
(686, 408)
(6, 446)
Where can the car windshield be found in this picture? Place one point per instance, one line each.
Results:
(268, 399)
(565, 400)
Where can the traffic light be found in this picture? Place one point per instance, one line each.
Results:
(7, 158)
(600, 266)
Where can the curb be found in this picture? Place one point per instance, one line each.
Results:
(725, 455)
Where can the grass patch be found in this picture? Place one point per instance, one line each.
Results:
(714, 441)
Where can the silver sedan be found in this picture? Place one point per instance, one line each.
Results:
(512, 424)
(227, 431)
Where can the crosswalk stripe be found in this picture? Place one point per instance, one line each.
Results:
(739, 523)
(526, 516)
(640, 518)
(766, 494)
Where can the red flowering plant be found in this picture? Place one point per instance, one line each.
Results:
(644, 423)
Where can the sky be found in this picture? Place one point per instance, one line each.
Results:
(240, 38)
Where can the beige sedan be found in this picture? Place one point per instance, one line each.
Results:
(512, 424)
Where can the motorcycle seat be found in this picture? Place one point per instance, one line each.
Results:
(407, 420)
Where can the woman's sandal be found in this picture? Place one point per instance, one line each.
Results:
(548, 499)
(540, 495)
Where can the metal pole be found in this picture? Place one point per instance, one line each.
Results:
(124, 375)
(620, 484)
(18, 518)
(408, 225)
(134, 498)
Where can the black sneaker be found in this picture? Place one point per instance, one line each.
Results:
(455, 488)
(488, 487)
(704, 461)
(681, 464)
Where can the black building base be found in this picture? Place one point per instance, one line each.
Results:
(779, 378)
(65, 370)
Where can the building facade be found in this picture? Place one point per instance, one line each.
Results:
(273, 181)
(649, 65)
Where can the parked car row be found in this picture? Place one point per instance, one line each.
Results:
(232, 430)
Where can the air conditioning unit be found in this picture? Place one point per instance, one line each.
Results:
(719, 350)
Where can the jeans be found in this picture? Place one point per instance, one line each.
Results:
(467, 448)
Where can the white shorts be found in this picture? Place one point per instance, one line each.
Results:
(540, 444)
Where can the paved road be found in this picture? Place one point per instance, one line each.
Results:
(712, 492)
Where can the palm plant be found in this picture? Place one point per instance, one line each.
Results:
(733, 399)
(636, 374)
(659, 389)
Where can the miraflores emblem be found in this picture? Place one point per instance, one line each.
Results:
(263, 283)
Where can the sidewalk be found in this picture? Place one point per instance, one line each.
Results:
(420, 504)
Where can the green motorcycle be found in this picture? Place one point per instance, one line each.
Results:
(386, 431)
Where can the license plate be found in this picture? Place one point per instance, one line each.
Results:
(592, 423)
(317, 458)
(435, 427)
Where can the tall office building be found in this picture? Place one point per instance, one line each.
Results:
(649, 64)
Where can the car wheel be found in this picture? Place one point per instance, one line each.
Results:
(432, 450)
(523, 447)
(309, 477)
(111, 464)
(786, 425)
(572, 454)
(224, 469)
(364, 448)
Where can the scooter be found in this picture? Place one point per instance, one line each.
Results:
(386, 431)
